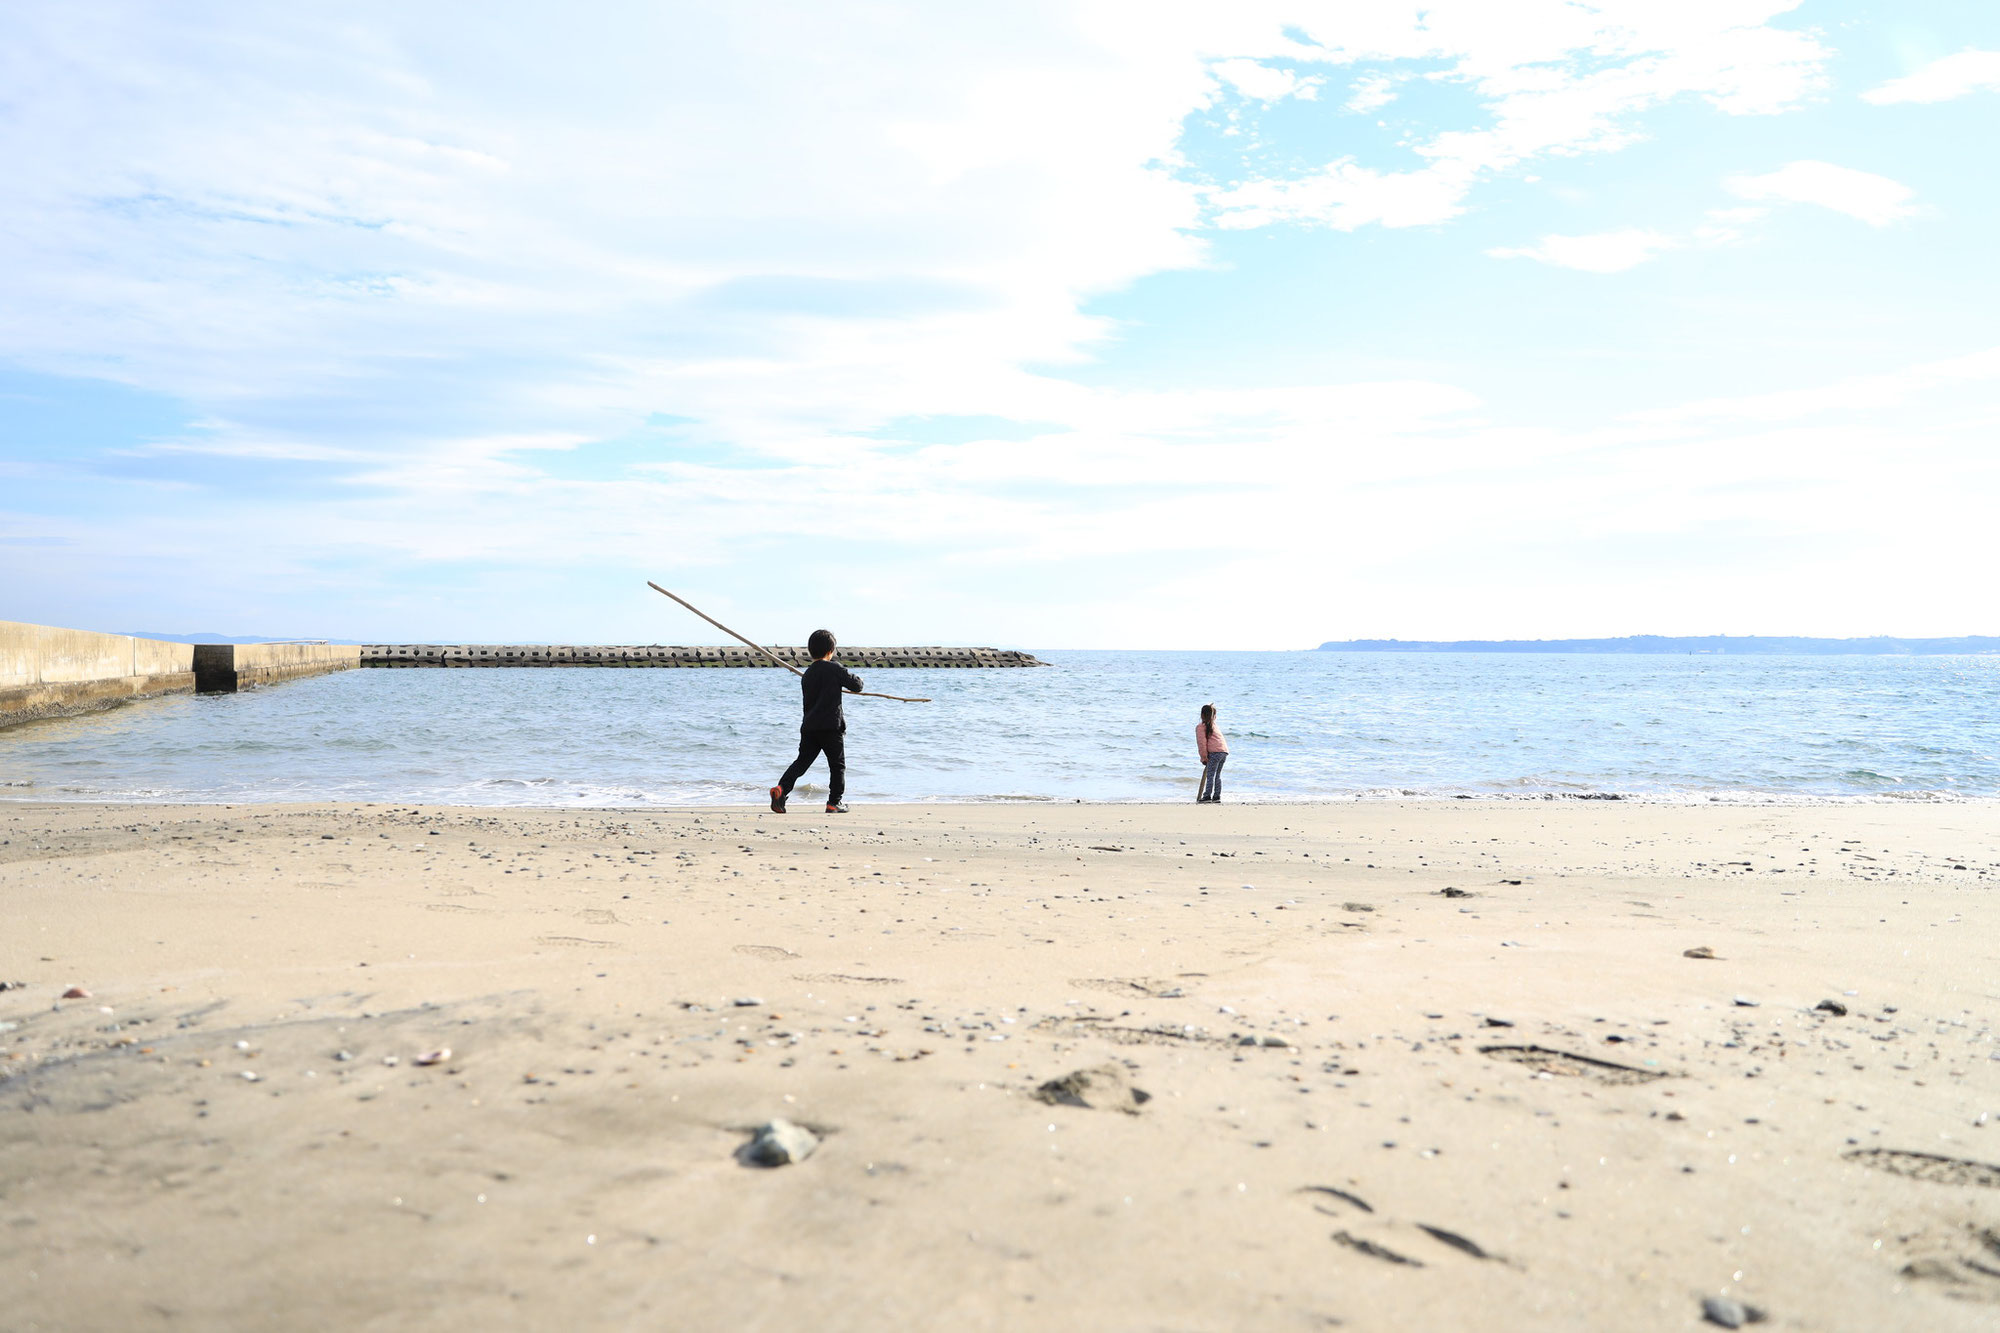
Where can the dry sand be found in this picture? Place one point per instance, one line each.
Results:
(1521, 1108)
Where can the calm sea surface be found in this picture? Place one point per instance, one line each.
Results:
(1095, 726)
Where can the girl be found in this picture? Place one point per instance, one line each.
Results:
(1208, 743)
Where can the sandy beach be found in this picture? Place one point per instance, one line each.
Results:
(1421, 1065)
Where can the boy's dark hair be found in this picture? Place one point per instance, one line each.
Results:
(821, 642)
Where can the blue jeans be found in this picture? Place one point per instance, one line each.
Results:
(1211, 777)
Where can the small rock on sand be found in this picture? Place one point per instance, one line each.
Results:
(1834, 1007)
(1104, 1088)
(1729, 1313)
(779, 1143)
(1700, 951)
(746, 1002)
(76, 993)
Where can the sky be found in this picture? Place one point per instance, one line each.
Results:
(1051, 325)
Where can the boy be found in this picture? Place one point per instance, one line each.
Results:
(821, 730)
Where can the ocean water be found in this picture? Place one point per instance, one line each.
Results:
(1100, 726)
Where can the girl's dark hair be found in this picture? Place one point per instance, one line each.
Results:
(821, 642)
(1208, 719)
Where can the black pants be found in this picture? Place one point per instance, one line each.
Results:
(812, 744)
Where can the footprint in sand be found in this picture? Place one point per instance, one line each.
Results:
(459, 907)
(1928, 1166)
(598, 916)
(574, 942)
(1964, 1260)
(770, 952)
(1151, 987)
(1160, 1034)
(1562, 1063)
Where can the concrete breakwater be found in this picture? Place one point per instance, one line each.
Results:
(655, 655)
(224, 668)
(47, 671)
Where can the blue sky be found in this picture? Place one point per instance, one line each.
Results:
(1067, 325)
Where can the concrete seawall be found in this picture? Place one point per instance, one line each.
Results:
(50, 672)
(655, 655)
(224, 668)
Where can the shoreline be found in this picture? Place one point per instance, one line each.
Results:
(1366, 1032)
(1689, 800)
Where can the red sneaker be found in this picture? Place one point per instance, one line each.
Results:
(777, 800)
(833, 809)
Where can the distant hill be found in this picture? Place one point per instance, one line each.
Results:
(1737, 645)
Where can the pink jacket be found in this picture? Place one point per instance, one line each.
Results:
(1205, 747)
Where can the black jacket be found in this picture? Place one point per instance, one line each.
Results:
(822, 684)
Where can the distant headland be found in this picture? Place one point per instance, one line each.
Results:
(1717, 644)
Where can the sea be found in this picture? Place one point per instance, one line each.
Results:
(1091, 726)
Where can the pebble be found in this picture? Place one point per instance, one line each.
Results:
(343, 1055)
(391, 1061)
(1277, 1041)
(248, 1076)
(1728, 1313)
(76, 993)
(746, 1002)
(780, 1143)
(1699, 951)
(436, 1057)
(1834, 1007)
(1745, 1002)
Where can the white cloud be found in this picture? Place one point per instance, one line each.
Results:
(435, 258)
(1855, 394)
(1370, 92)
(1266, 84)
(1601, 252)
(1554, 78)
(1941, 80)
(1345, 196)
(1873, 199)
(1725, 226)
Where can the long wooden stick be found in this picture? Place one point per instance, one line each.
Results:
(766, 651)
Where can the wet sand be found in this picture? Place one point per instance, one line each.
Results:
(1423, 1065)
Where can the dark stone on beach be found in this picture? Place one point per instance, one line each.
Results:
(1450, 892)
(1699, 951)
(1453, 1239)
(13, 985)
(1104, 1088)
(779, 1143)
(1729, 1313)
(1834, 1007)
(1362, 1245)
(1497, 1022)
